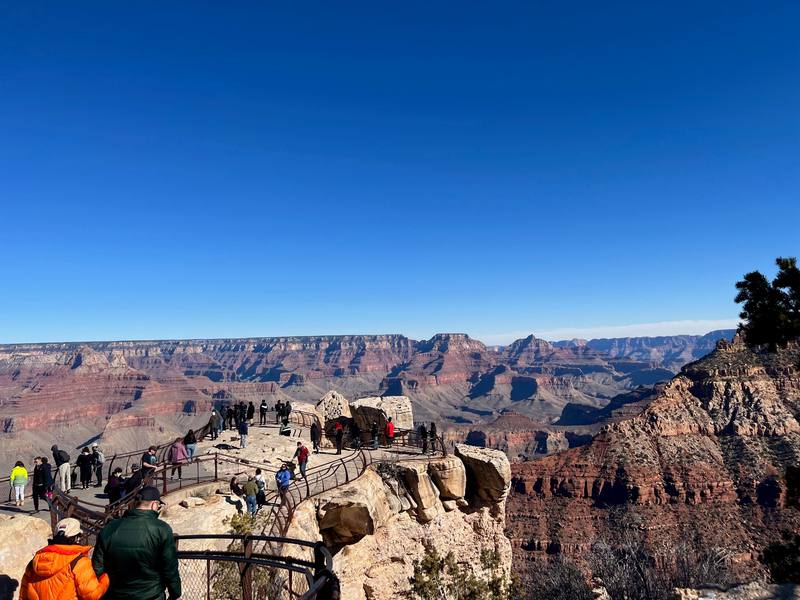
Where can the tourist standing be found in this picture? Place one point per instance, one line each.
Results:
(338, 433)
(251, 413)
(215, 424)
(283, 478)
(63, 568)
(243, 431)
(190, 441)
(115, 486)
(61, 459)
(138, 552)
(149, 462)
(423, 435)
(388, 431)
(177, 456)
(250, 491)
(242, 412)
(261, 497)
(262, 412)
(315, 436)
(287, 410)
(355, 433)
(374, 433)
(85, 464)
(432, 431)
(301, 454)
(19, 479)
(42, 480)
(98, 458)
(231, 419)
(278, 412)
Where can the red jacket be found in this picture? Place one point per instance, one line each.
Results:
(52, 575)
(389, 429)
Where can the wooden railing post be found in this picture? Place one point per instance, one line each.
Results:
(247, 574)
(216, 468)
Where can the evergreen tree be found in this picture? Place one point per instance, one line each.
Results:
(771, 310)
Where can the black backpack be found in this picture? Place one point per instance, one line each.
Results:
(63, 456)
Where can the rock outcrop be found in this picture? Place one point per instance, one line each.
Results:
(21, 537)
(380, 408)
(488, 473)
(333, 406)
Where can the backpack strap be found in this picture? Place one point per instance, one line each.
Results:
(75, 561)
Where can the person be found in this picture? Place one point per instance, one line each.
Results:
(374, 433)
(284, 428)
(61, 459)
(42, 480)
(63, 569)
(301, 454)
(389, 432)
(278, 412)
(262, 412)
(19, 479)
(287, 410)
(283, 478)
(315, 437)
(423, 436)
(243, 430)
(215, 424)
(138, 552)
(134, 481)
(338, 433)
(242, 413)
(231, 420)
(236, 489)
(115, 486)
(261, 497)
(250, 490)
(177, 456)
(251, 413)
(432, 433)
(355, 433)
(149, 462)
(85, 465)
(98, 458)
(190, 442)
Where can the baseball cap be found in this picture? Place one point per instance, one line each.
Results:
(68, 527)
(149, 494)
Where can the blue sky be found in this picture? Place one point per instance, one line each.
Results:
(177, 169)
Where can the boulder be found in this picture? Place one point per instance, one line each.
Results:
(488, 472)
(380, 408)
(333, 406)
(191, 502)
(450, 476)
(20, 537)
(422, 490)
(354, 510)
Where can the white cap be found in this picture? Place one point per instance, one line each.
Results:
(69, 527)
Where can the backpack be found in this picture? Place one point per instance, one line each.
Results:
(63, 456)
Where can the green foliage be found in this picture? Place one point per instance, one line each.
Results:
(439, 577)
(783, 559)
(771, 310)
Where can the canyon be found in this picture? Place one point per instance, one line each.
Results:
(709, 460)
(133, 392)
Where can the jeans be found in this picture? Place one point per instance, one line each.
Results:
(64, 478)
(303, 469)
(98, 471)
(19, 493)
(252, 505)
(243, 441)
(190, 450)
(262, 418)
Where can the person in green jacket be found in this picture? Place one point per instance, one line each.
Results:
(138, 553)
(19, 479)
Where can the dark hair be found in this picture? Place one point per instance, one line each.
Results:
(62, 540)
(85, 449)
(258, 471)
(190, 431)
(151, 448)
(118, 470)
(44, 460)
(19, 463)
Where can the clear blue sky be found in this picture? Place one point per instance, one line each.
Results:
(206, 169)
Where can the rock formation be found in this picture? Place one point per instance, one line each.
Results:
(379, 409)
(333, 406)
(706, 460)
(21, 537)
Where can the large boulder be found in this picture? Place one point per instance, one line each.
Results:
(380, 408)
(20, 537)
(333, 406)
(450, 476)
(425, 494)
(354, 510)
(488, 472)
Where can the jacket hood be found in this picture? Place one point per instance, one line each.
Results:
(53, 448)
(51, 559)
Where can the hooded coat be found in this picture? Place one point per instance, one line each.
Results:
(62, 572)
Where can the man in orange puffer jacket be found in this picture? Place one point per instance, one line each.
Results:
(63, 570)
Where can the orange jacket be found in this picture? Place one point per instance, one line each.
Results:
(52, 576)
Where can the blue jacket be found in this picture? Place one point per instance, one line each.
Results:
(243, 428)
(283, 477)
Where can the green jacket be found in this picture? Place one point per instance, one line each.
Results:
(250, 488)
(138, 553)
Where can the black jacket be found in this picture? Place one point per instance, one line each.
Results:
(42, 476)
(138, 553)
(251, 410)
